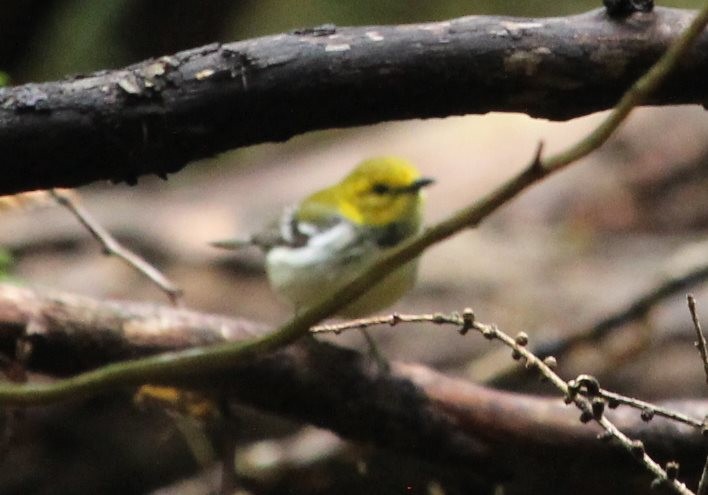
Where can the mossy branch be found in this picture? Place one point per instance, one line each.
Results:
(168, 368)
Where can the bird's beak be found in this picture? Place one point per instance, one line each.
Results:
(421, 183)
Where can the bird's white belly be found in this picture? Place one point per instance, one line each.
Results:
(307, 274)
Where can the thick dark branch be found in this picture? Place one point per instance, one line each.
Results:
(413, 410)
(156, 116)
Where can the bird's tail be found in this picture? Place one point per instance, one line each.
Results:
(233, 244)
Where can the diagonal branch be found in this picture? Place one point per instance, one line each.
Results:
(159, 114)
(112, 247)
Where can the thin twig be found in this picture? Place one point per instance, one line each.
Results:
(701, 340)
(648, 409)
(392, 320)
(701, 344)
(579, 391)
(112, 247)
(199, 361)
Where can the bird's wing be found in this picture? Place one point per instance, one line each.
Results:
(299, 225)
(272, 235)
(295, 228)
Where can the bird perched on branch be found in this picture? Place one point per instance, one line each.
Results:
(333, 234)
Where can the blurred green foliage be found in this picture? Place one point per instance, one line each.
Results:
(4, 79)
(47, 39)
(79, 36)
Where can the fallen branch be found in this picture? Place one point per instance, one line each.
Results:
(156, 116)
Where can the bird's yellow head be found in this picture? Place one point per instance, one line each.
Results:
(378, 192)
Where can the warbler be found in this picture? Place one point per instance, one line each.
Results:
(333, 234)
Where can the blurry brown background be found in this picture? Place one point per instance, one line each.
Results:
(563, 255)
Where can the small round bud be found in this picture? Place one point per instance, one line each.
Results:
(586, 416)
(551, 362)
(467, 320)
(515, 354)
(672, 470)
(613, 403)
(522, 339)
(647, 414)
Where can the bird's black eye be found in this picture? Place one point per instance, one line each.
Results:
(380, 188)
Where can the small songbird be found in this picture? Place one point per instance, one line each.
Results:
(333, 234)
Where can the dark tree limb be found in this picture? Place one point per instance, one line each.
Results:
(158, 115)
(413, 410)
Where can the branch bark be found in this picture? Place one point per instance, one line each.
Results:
(160, 114)
(413, 410)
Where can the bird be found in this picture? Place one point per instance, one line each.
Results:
(333, 234)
